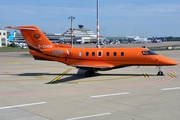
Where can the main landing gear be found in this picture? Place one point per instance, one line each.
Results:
(89, 73)
(160, 73)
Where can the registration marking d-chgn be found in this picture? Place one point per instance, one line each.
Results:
(106, 95)
(44, 46)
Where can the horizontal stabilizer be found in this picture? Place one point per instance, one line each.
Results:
(20, 28)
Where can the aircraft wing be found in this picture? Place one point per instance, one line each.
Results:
(88, 65)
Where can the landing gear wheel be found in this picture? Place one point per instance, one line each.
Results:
(89, 73)
(160, 73)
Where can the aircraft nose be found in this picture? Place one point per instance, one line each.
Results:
(167, 61)
(171, 62)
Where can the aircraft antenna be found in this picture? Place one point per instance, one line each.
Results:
(98, 45)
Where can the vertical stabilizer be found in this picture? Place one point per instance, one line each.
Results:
(34, 37)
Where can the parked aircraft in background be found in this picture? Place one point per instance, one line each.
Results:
(18, 43)
(137, 39)
(89, 59)
(12, 36)
(156, 40)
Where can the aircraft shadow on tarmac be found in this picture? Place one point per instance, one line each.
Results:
(35, 74)
(74, 77)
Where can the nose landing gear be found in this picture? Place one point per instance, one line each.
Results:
(160, 73)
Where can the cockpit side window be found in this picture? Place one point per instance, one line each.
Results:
(149, 52)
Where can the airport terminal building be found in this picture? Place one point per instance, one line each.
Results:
(80, 35)
(3, 37)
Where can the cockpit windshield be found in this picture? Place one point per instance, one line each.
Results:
(148, 52)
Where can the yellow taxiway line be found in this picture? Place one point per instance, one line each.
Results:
(145, 75)
(60, 76)
(171, 75)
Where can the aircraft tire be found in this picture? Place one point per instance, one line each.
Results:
(89, 73)
(160, 73)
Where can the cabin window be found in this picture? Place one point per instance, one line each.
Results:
(99, 53)
(122, 53)
(80, 53)
(93, 53)
(115, 53)
(107, 53)
(87, 53)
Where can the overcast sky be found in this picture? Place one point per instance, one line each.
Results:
(117, 17)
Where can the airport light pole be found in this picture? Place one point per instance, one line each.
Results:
(71, 18)
(98, 45)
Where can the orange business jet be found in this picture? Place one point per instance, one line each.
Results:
(90, 59)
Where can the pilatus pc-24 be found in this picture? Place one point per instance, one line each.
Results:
(89, 59)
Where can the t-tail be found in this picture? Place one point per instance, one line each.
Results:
(40, 46)
(34, 37)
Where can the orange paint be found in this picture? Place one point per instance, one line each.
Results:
(91, 59)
